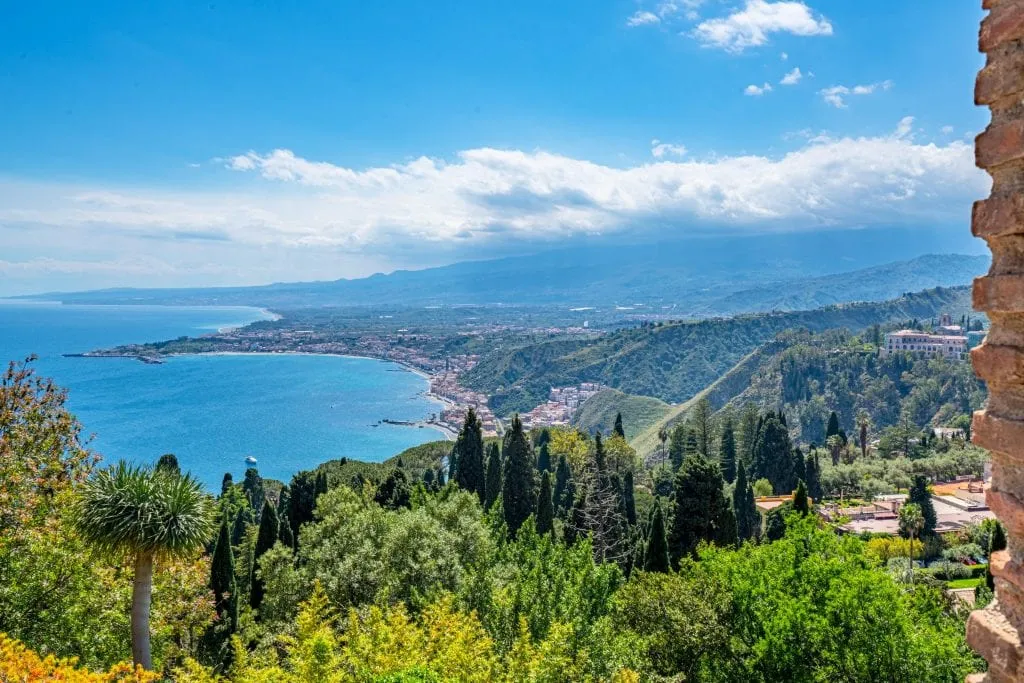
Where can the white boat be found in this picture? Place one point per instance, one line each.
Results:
(249, 460)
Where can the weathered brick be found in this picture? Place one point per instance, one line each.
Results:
(1000, 78)
(998, 363)
(998, 434)
(994, 637)
(1000, 294)
(998, 216)
(1003, 24)
(999, 144)
(1008, 509)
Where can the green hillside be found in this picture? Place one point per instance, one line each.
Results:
(673, 361)
(638, 412)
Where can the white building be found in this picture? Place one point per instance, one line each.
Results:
(953, 347)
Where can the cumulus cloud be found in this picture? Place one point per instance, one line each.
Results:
(752, 25)
(947, 130)
(660, 150)
(489, 198)
(836, 95)
(904, 127)
(642, 19)
(793, 77)
(757, 90)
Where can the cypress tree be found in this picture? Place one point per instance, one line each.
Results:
(563, 497)
(677, 446)
(428, 479)
(618, 430)
(543, 458)
(774, 525)
(395, 492)
(285, 528)
(222, 569)
(492, 487)
(656, 554)
(518, 490)
(441, 481)
(225, 483)
(253, 487)
(773, 459)
(748, 519)
(545, 510)
(997, 541)
(168, 462)
(800, 503)
(265, 540)
(799, 466)
(242, 520)
(702, 427)
(302, 500)
(919, 494)
(599, 454)
(577, 520)
(545, 437)
(700, 509)
(833, 425)
(628, 499)
(813, 470)
(321, 485)
(727, 451)
(469, 454)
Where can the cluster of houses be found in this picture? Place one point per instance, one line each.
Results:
(562, 403)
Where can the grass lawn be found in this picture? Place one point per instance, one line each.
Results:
(964, 583)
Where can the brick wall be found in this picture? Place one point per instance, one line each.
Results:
(996, 632)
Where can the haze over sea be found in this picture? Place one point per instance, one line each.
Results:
(291, 412)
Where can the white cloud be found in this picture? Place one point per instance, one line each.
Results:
(836, 94)
(660, 150)
(947, 130)
(285, 209)
(793, 77)
(752, 25)
(904, 127)
(784, 56)
(757, 90)
(642, 19)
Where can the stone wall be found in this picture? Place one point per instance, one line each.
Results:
(996, 632)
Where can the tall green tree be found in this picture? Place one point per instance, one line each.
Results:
(656, 553)
(833, 425)
(800, 502)
(222, 577)
(773, 455)
(545, 509)
(564, 493)
(543, 458)
(701, 510)
(677, 445)
(702, 425)
(168, 462)
(813, 469)
(748, 519)
(253, 487)
(618, 429)
(143, 514)
(518, 490)
(492, 485)
(468, 453)
(799, 465)
(727, 450)
(748, 434)
(628, 497)
(226, 483)
(285, 534)
(265, 540)
(922, 497)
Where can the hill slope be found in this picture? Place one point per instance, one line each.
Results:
(638, 412)
(674, 361)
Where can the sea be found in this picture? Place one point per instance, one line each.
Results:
(289, 411)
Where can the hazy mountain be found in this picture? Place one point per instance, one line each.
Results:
(709, 276)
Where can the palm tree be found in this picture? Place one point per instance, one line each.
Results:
(142, 514)
(911, 523)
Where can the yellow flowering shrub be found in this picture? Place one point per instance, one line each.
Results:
(18, 664)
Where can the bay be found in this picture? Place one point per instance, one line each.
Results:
(291, 412)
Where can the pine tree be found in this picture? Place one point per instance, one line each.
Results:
(492, 486)
(677, 446)
(727, 451)
(748, 519)
(545, 509)
(265, 540)
(543, 458)
(701, 511)
(628, 499)
(222, 576)
(563, 497)
(800, 502)
(833, 425)
(920, 495)
(284, 526)
(702, 426)
(518, 491)
(468, 452)
(225, 483)
(813, 470)
(617, 430)
(656, 553)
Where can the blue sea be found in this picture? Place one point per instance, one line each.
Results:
(291, 412)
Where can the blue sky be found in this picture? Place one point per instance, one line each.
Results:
(245, 142)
